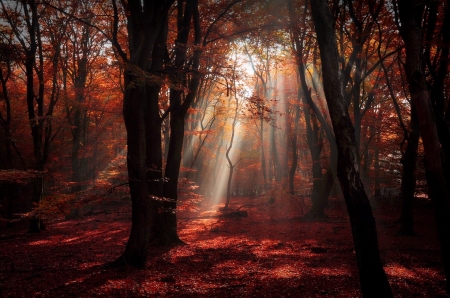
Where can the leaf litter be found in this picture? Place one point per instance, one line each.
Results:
(269, 253)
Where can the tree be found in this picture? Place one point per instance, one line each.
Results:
(301, 48)
(7, 57)
(410, 14)
(81, 49)
(145, 22)
(187, 14)
(229, 146)
(373, 280)
(24, 20)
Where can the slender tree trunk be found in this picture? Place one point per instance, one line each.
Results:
(376, 157)
(313, 131)
(274, 160)
(315, 144)
(178, 112)
(230, 146)
(5, 121)
(319, 184)
(372, 277)
(172, 173)
(293, 168)
(377, 178)
(217, 160)
(33, 100)
(356, 98)
(408, 185)
(78, 121)
(263, 157)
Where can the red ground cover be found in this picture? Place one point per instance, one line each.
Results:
(270, 253)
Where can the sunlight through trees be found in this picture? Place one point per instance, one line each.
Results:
(227, 107)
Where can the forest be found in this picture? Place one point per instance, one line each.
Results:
(225, 148)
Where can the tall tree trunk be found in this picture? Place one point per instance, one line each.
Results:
(178, 111)
(151, 16)
(135, 253)
(5, 120)
(263, 157)
(318, 200)
(293, 168)
(35, 116)
(410, 13)
(153, 136)
(437, 93)
(408, 185)
(172, 172)
(78, 121)
(313, 131)
(315, 144)
(372, 277)
(227, 154)
(217, 161)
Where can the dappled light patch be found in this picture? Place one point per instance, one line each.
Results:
(40, 242)
(118, 287)
(89, 265)
(286, 271)
(398, 270)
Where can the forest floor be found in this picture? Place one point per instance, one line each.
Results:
(270, 253)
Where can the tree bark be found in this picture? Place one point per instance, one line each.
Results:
(410, 13)
(78, 121)
(5, 120)
(153, 136)
(178, 111)
(372, 277)
(293, 168)
(408, 185)
(144, 24)
(437, 92)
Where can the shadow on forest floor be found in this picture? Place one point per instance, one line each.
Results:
(270, 253)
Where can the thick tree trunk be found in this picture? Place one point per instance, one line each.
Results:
(141, 44)
(142, 211)
(411, 17)
(372, 277)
